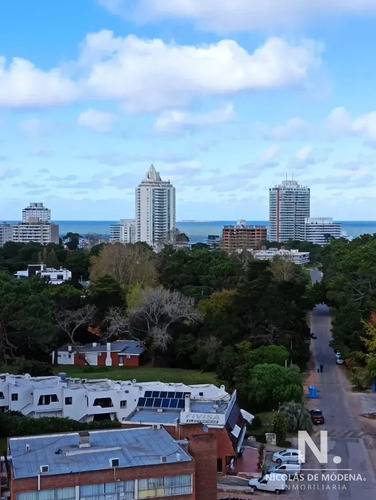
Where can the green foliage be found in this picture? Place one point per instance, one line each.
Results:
(12, 424)
(280, 427)
(270, 385)
(256, 423)
(78, 262)
(105, 292)
(297, 416)
(73, 240)
(35, 368)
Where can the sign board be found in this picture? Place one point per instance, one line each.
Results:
(271, 438)
(202, 418)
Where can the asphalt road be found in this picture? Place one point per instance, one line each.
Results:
(345, 432)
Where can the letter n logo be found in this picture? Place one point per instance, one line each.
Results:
(305, 439)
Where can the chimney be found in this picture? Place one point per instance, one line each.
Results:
(187, 403)
(27, 448)
(69, 348)
(83, 439)
(94, 344)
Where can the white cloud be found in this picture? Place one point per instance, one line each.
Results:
(22, 85)
(99, 121)
(293, 129)
(150, 75)
(304, 153)
(175, 121)
(339, 122)
(237, 15)
(32, 128)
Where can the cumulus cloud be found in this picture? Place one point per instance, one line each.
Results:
(148, 75)
(294, 129)
(266, 160)
(99, 121)
(237, 15)
(174, 122)
(339, 122)
(22, 85)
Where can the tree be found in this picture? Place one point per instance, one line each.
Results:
(70, 321)
(280, 427)
(78, 262)
(159, 311)
(127, 264)
(297, 416)
(105, 292)
(72, 240)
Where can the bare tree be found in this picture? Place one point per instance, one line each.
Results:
(159, 309)
(71, 320)
(118, 325)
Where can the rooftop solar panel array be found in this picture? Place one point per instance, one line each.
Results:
(162, 399)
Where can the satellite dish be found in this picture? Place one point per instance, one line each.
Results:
(205, 428)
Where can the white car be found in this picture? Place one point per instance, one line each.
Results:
(290, 455)
(338, 355)
(340, 361)
(268, 483)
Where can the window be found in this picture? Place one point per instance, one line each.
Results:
(2, 395)
(165, 486)
(57, 494)
(123, 490)
(219, 464)
(14, 396)
(47, 399)
(103, 402)
(68, 401)
(123, 403)
(60, 277)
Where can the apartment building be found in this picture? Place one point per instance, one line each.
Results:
(35, 230)
(289, 206)
(320, 230)
(5, 233)
(123, 232)
(121, 464)
(178, 407)
(36, 210)
(242, 236)
(155, 209)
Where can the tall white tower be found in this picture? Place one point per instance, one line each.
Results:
(155, 209)
(289, 205)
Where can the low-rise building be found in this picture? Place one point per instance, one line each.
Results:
(117, 353)
(121, 464)
(123, 232)
(54, 276)
(242, 236)
(5, 233)
(300, 258)
(320, 230)
(178, 407)
(35, 230)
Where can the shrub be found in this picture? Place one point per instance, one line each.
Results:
(256, 423)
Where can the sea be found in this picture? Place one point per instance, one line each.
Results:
(198, 231)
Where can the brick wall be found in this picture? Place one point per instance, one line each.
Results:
(203, 447)
(106, 476)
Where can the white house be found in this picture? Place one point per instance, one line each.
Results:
(54, 276)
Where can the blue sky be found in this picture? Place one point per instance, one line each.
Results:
(225, 98)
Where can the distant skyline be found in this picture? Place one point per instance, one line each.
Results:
(224, 98)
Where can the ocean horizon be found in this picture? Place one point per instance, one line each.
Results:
(198, 231)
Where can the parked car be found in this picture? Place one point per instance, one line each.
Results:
(340, 361)
(285, 468)
(290, 455)
(317, 417)
(338, 355)
(268, 483)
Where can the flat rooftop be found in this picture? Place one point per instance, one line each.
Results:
(61, 452)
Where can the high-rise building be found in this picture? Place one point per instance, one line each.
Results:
(123, 232)
(242, 236)
(5, 233)
(36, 210)
(289, 205)
(155, 209)
(35, 230)
(320, 230)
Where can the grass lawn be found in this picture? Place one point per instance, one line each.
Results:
(140, 373)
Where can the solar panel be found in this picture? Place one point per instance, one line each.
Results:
(170, 394)
(157, 403)
(149, 402)
(163, 394)
(155, 394)
(141, 402)
(179, 395)
(165, 403)
(148, 394)
(181, 403)
(173, 403)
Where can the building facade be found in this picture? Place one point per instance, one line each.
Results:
(121, 464)
(35, 230)
(300, 258)
(320, 230)
(155, 209)
(289, 206)
(5, 233)
(36, 210)
(123, 232)
(178, 407)
(117, 353)
(242, 236)
(54, 276)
